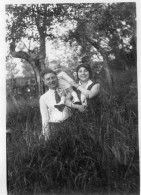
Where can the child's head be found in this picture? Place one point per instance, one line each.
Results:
(55, 66)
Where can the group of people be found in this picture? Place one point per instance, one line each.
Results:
(65, 95)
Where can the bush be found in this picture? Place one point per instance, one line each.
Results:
(22, 112)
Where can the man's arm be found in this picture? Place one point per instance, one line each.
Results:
(45, 117)
(88, 93)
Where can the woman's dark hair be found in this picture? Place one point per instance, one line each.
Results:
(87, 67)
(47, 71)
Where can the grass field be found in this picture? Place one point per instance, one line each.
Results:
(78, 160)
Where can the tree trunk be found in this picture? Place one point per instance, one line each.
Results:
(105, 61)
(108, 72)
(42, 61)
(42, 51)
(40, 90)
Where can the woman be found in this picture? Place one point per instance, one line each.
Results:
(88, 88)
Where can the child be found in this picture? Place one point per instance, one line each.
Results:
(64, 81)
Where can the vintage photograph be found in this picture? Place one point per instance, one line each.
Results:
(72, 99)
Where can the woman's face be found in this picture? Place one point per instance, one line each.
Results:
(83, 74)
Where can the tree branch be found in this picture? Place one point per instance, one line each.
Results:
(96, 44)
(22, 55)
(37, 18)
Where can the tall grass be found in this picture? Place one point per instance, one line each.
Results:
(78, 157)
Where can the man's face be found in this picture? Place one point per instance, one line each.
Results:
(50, 80)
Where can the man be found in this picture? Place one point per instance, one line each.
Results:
(51, 115)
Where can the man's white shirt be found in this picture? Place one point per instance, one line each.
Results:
(48, 112)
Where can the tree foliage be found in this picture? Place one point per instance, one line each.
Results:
(33, 22)
(110, 28)
(101, 29)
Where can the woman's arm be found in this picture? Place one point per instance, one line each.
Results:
(90, 93)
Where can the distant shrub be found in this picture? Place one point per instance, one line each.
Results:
(21, 111)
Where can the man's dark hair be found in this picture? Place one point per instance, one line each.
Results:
(47, 71)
